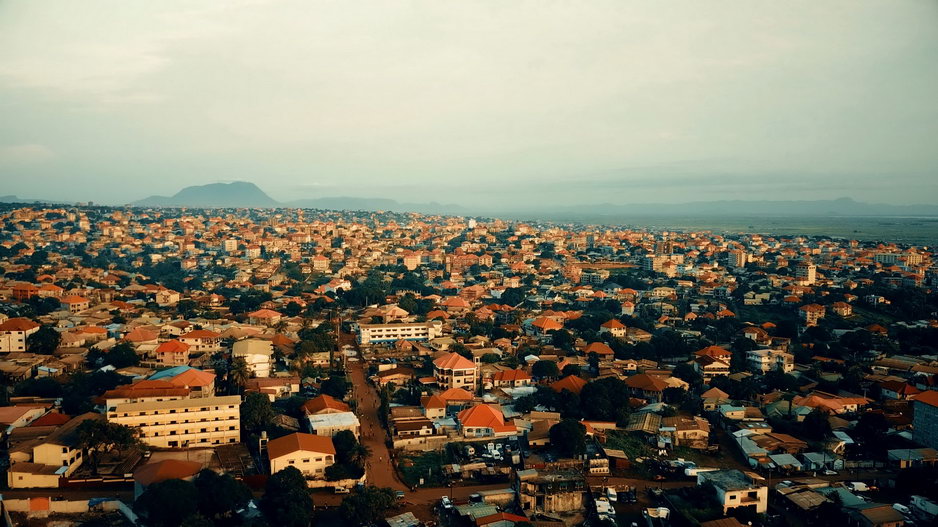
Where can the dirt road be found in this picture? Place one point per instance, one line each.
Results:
(379, 471)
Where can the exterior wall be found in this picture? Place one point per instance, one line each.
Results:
(378, 333)
(311, 464)
(758, 497)
(925, 424)
(465, 379)
(57, 456)
(183, 423)
(25, 480)
(15, 340)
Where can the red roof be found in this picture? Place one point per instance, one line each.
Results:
(18, 324)
(324, 402)
(453, 361)
(167, 469)
(512, 375)
(297, 442)
(571, 383)
(613, 324)
(929, 397)
(172, 346)
(51, 419)
(599, 348)
(484, 416)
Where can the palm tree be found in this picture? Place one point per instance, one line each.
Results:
(359, 454)
(238, 374)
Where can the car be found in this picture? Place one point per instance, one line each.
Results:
(444, 501)
(399, 494)
(901, 509)
(340, 490)
(829, 472)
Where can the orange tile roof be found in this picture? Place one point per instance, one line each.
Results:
(599, 348)
(484, 416)
(324, 402)
(929, 397)
(18, 324)
(512, 375)
(456, 394)
(172, 346)
(453, 361)
(167, 469)
(571, 383)
(297, 442)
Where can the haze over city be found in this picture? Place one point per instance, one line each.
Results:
(474, 103)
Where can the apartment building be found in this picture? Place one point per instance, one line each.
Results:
(382, 333)
(183, 423)
(49, 459)
(13, 334)
(766, 360)
(455, 371)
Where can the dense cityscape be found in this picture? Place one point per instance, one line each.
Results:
(199, 367)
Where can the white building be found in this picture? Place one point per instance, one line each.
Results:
(735, 489)
(183, 423)
(13, 334)
(332, 423)
(766, 360)
(310, 454)
(418, 331)
(257, 353)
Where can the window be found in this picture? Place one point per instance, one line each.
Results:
(306, 461)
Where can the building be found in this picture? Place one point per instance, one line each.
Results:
(310, 454)
(805, 273)
(550, 492)
(811, 314)
(925, 420)
(766, 360)
(172, 353)
(75, 303)
(384, 333)
(183, 423)
(56, 456)
(330, 424)
(484, 420)
(201, 340)
(455, 371)
(735, 489)
(258, 354)
(613, 327)
(14, 332)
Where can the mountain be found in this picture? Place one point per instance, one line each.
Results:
(236, 194)
(10, 198)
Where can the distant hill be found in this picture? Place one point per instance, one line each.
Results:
(10, 198)
(236, 194)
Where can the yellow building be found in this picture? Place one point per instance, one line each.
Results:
(183, 423)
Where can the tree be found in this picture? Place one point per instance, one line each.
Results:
(238, 374)
(562, 339)
(220, 495)
(571, 369)
(286, 499)
(335, 386)
(96, 435)
(545, 368)
(569, 437)
(605, 399)
(120, 356)
(815, 425)
(256, 412)
(367, 505)
(44, 341)
(688, 373)
(168, 503)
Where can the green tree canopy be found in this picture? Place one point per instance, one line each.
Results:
(367, 505)
(256, 412)
(286, 500)
(568, 437)
(44, 341)
(168, 503)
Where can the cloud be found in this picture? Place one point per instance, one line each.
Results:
(25, 154)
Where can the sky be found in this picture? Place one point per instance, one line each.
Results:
(483, 103)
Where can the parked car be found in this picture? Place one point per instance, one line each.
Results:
(399, 494)
(829, 472)
(444, 501)
(340, 490)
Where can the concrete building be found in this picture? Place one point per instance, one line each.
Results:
(50, 459)
(550, 492)
(310, 454)
(14, 332)
(383, 333)
(766, 360)
(735, 489)
(925, 421)
(805, 273)
(455, 371)
(330, 424)
(258, 353)
(183, 423)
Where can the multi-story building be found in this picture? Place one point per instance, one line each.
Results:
(310, 454)
(925, 421)
(805, 273)
(258, 354)
(14, 332)
(56, 456)
(183, 423)
(383, 333)
(550, 491)
(766, 360)
(455, 371)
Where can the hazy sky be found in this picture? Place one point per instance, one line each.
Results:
(472, 102)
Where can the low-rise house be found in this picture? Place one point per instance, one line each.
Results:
(550, 492)
(484, 420)
(202, 340)
(330, 424)
(14, 332)
(52, 458)
(310, 454)
(735, 489)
